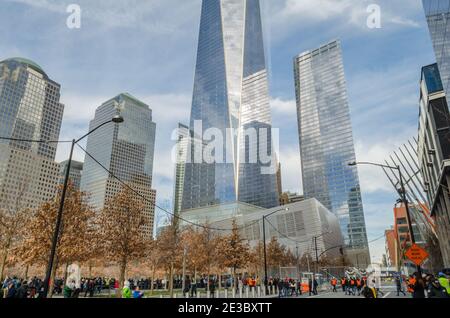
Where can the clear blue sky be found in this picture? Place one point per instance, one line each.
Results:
(147, 48)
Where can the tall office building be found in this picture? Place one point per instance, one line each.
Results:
(434, 152)
(438, 17)
(181, 155)
(126, 150)
(231, 95)
(29, 109)
(326, 143)
(76, 170)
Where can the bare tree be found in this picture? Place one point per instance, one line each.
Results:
(12, 218)
(169, 250)
(234, 251)
(75, 237)
(121, 230)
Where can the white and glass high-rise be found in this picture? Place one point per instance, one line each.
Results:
(127, 150)
(438, 17)
(326, 143)
(30, 110)
(231, 92)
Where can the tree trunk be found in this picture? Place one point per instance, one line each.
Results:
(65, 273)
(2, 270)
(153, 280)
(235, 282)
(195, 276)
(52, 279)
(27, 267)
(171, 280)
(123, 268)
(90, 270)
(207, 280)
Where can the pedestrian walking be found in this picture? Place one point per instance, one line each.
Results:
(344, 285)
(444, 282)
(194, 288)
(126, 291)
(369, 292)
(69, 290)
(359, 285)
(315, 285)
(333, 284)
(11, 291)
(419, 286)
(293, 288)
(377, 287)
(137, 293)
(22, 291)
(352, 287)
(398, 283)
(435, 289)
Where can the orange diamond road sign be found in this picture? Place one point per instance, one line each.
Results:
(416, 254)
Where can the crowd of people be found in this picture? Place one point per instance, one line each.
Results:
(351, 285)
(428, 285)
(13, 287)
(417, 285)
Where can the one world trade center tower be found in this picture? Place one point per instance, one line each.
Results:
(231, 96)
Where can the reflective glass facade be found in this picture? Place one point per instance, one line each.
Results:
(182, 150)
(326, 141)
(126, 149)
(434, 153)
(231, 91)
(438, 17)
(29, 109)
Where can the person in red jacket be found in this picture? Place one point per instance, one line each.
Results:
(333, 284)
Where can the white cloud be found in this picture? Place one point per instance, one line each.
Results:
(404, 21)
(372, 178)
(151, 16)
(283, 107)
(291, 169)
(349, 17)
(317, 10)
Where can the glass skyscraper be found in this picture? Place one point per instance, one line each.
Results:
(127, 150)
(29, 109)
(181, 154)
(438, 18)
(326, 143)
(231, 92)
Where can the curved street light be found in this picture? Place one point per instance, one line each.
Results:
(117, 119)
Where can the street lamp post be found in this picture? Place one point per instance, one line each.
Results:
(316, 265)
(116, 119)
(403, 197)
(264, 244)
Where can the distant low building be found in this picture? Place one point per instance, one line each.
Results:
(289, 197)
(295, 227)
(392, 251)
